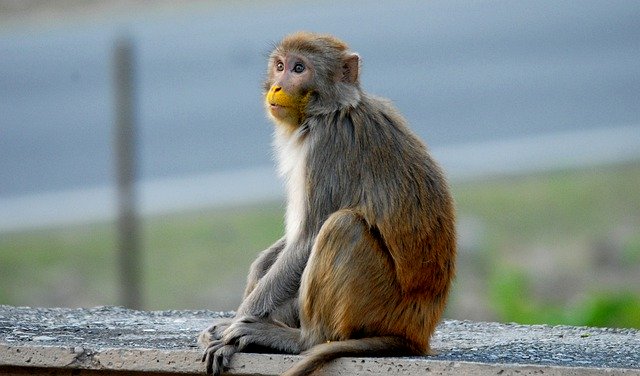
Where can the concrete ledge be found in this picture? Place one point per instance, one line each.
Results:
(109, 339)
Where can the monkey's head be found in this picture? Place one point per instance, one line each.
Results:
(310, 74)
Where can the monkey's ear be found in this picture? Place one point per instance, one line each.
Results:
(350, 68)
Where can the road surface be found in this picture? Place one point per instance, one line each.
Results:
(464, 73)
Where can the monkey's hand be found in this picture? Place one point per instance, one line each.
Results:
(216, 354)
(222, 340)
(217, 357)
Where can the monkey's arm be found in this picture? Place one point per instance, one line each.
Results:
(262, 264)
(258, 269)
(276, 274)
(280, 283)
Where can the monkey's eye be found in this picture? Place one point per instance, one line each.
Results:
(279, 66)
(298, 68)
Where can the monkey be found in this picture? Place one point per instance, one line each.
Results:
(368, 254)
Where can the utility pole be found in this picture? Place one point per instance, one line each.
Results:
(128, 242)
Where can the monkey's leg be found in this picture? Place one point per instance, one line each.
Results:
(349, 288)
(349, 285)
(351, 303)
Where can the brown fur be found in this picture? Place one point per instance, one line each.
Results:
(369, 255)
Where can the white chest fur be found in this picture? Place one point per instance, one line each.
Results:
(292, 157)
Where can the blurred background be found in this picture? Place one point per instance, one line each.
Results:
(533, 109)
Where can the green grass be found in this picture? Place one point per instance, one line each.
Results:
(561, 247)
(186, 257)
(554, 205)
(63, 266)
(558, 248)
(192, 255)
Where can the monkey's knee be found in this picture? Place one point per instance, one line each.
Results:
(346, 240)
(344, 228)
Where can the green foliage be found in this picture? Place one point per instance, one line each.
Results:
(553, 225)
(616, 309)
(511, 295)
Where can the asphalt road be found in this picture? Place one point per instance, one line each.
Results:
(462, 73)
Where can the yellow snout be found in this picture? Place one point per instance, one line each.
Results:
(278, 97)
(285, 107)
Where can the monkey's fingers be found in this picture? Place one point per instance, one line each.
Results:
(223, 356)
(209, 355)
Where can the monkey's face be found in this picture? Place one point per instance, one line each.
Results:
(288, 88)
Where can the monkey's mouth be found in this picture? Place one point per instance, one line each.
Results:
(279, 111)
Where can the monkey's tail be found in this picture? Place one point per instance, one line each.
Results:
(323, 353)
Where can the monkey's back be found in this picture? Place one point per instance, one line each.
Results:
(366, 158)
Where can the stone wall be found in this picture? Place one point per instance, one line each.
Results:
(107, 339)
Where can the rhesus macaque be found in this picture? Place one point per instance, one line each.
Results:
(368, 255)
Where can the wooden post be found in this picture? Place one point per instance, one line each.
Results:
(125, 156)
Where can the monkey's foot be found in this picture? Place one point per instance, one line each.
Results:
(212, 334)
(251, 332)
(245, 331)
